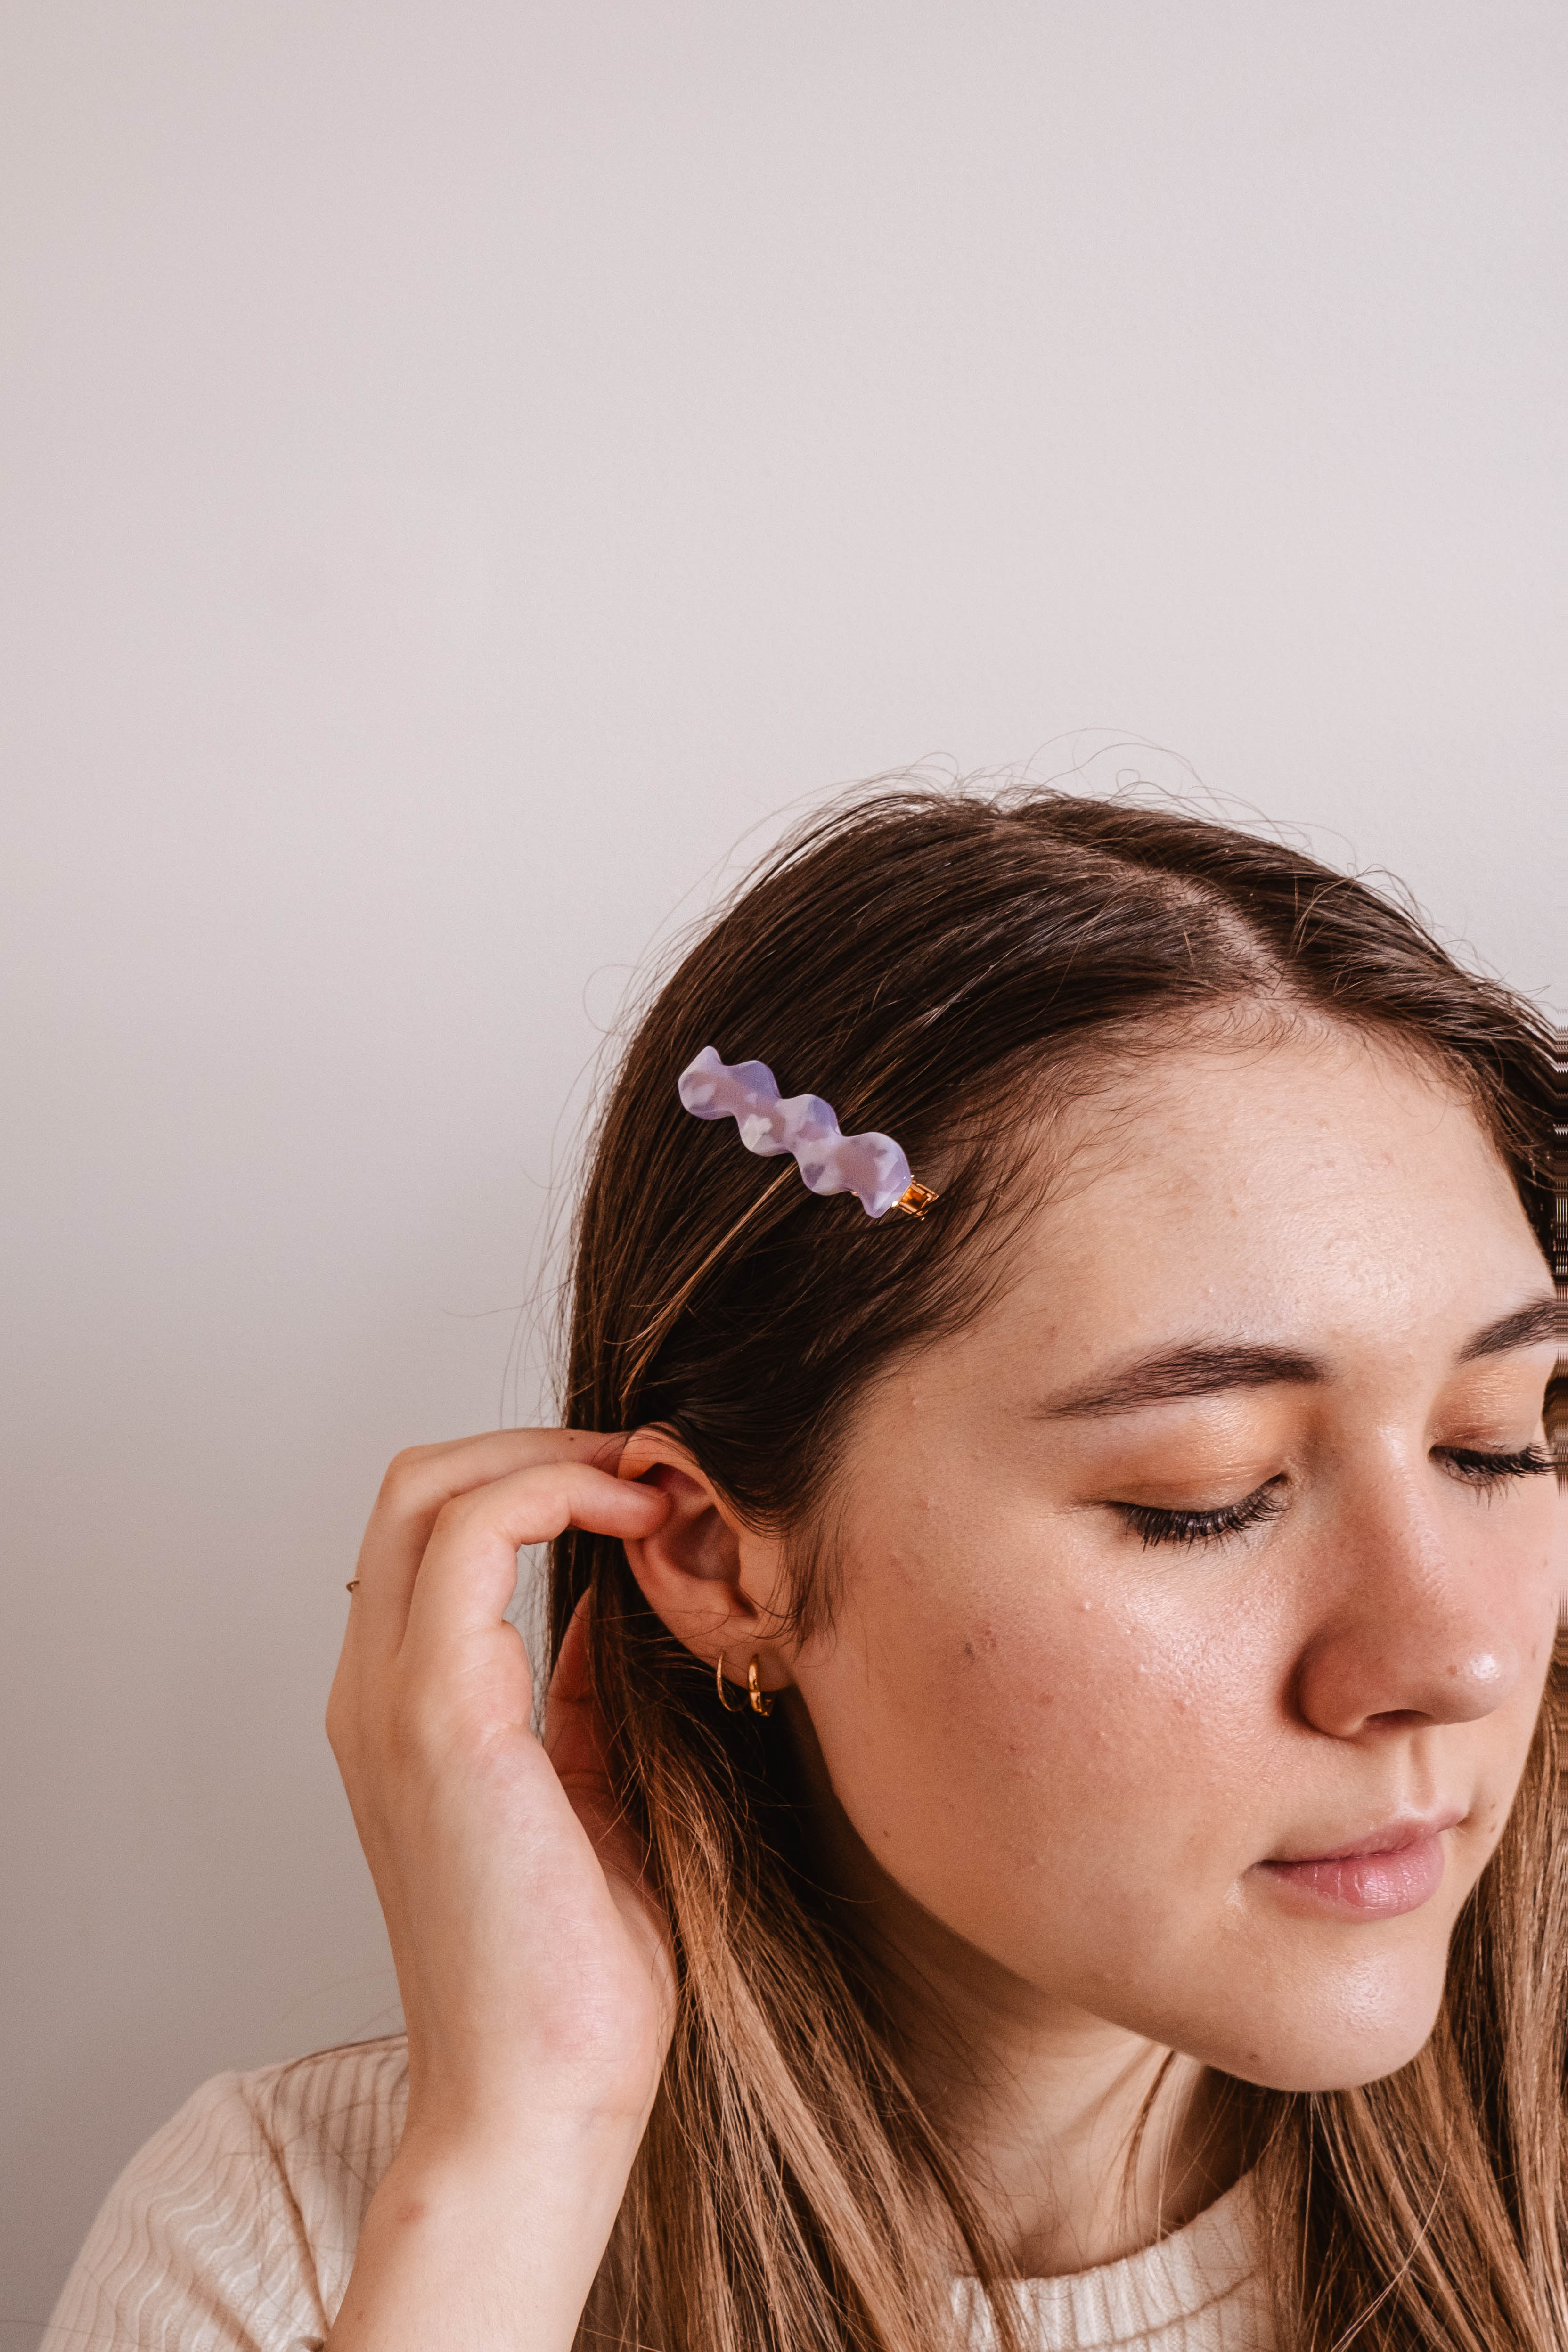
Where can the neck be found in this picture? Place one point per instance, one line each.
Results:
(1085, 2142)
(1082, 2140)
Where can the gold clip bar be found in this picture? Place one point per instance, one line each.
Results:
(916, 1200)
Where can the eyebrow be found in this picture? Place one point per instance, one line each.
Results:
(1527, 1327)
(1200, 1370)
(1210, 1367)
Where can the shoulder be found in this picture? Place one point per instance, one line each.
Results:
(329, 2125)
(234, 2228)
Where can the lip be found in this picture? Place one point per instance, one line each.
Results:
(1393, 1869)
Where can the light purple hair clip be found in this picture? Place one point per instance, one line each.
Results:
(872, 1166)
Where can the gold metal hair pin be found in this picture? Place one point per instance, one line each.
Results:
(916, 1198)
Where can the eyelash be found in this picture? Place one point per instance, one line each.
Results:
(1490, 1470)
(1487, 1471)
(1158, 1526)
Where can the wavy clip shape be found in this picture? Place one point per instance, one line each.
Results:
(872, 1166)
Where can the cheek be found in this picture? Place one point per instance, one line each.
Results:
(1503, 1741)
(994, 1736)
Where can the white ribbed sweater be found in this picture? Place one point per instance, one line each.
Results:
(234, 2231)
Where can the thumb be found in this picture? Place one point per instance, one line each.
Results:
(572, 1738)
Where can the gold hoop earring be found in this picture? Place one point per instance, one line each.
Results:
(760, 1701)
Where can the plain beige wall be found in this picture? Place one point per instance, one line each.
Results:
(466, 466)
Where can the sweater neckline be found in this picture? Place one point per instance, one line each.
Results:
(1120, 2302)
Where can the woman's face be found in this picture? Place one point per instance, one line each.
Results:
(1191, 1635)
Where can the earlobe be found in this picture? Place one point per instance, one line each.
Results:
(699, 1571)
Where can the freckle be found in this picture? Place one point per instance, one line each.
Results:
(969, 1652)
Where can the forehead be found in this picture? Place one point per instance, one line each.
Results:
(1314, 1178)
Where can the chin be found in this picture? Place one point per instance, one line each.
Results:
(1346, 2061)
(1336, 2032)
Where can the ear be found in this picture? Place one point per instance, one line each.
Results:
(717, 1585)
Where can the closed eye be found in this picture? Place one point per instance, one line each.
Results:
(1156, 1526)
(1490, 1471)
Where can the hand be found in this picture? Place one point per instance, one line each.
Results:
(534, 1962)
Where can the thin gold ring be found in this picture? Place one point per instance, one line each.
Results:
(353, 1584)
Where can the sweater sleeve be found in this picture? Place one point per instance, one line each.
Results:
(234, 2228)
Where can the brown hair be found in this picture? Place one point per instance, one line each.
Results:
(909, 956)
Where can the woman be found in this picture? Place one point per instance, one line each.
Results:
(1048, 1828)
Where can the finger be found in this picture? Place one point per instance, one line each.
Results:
(417, 1488)
(573, 1741)
(515, 1445)
(468, 1573)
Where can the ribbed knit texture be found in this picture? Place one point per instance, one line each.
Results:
(1197, 2291)
(234, 2231)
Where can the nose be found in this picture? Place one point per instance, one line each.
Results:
(1414, 1629)
(1348, 1690)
